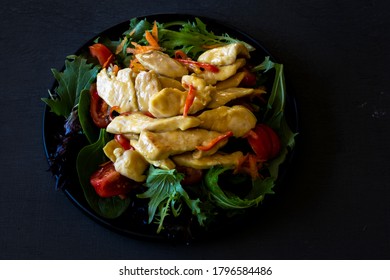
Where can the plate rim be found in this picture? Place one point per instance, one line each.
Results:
(83, 205)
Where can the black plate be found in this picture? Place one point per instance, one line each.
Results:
(53, 126)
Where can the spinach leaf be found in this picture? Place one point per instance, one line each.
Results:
(88, 161)
(77, 76)
(89, 129)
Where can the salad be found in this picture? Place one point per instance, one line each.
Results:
(172, 119)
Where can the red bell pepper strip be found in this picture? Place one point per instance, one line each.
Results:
(179, 54)
(189, 100)
(215, 141)
(123, 141)
(205, 66)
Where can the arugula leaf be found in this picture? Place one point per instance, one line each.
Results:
(265, 66)
(191, 37)
(274, 115)
(225, 200)
(166, 194)
(88, 161)
(77, 76)
(137, 29)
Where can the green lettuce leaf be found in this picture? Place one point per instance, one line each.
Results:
(90, 130)
(166, 195)
(275, 113)
(191, 37)
(228, 200)
(77, 76)
(88, 161)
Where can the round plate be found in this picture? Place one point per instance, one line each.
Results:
(53, 127)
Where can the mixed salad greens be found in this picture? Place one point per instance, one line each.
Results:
(168, 191)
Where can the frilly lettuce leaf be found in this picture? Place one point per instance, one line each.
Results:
(77, 76)
(166, 195)
(225, 200)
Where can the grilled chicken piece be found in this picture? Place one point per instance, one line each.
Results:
(163, 163)
(233, 81)
(213, 150)
(224, 55)
(237, 119)
(146, 84)
(161, 145)
(109, 149)
(137, 122)
(162, 64)
(167, 103)
(202, 90)
(221, 97)
(131, 164)
(170, 83)
(170, 102)
(226, 160)
(224, 72)
(118, 90)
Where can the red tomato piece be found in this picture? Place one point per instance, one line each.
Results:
(98, 109)
(249, 79)
(264, 142)
(275, 141)
(191, 175)
(107, 182)
(102, 53)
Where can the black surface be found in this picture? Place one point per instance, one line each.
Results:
(334, 204)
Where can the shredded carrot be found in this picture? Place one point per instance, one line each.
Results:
(140, 49)
(241, 162)
(108, 61)
(151, 40)
(249, 164)
(136, 66)
(215, 141)
(115, 69)
(254, 172)
(119, 48)
(155, 31)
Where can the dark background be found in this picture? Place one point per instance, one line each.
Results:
(334, 203)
